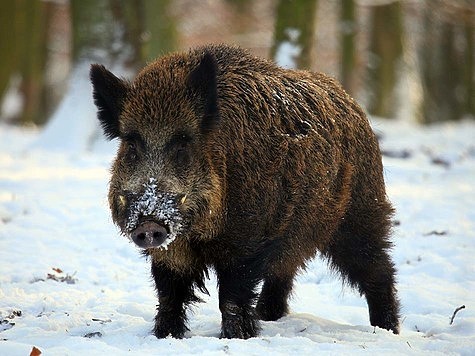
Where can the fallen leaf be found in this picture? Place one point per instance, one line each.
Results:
(35, 351)
(440, 162)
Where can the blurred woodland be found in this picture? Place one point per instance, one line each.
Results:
(410, 59)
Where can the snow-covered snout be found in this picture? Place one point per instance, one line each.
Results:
(152, 219)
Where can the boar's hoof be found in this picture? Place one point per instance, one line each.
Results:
(149, 234)
(238, 323)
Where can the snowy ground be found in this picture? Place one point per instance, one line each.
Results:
(69, 284)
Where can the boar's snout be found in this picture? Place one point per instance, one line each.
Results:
(149, 234)
(152, 218)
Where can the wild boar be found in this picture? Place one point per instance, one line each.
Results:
(227, 161)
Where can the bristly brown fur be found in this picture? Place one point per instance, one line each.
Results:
(276, 165)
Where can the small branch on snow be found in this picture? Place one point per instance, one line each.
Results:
(455, 312)
(437, 233)
(102, 321)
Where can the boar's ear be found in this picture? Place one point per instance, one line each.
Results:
(108, 93)
(202, 80)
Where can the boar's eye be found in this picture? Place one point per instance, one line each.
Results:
(133, 145)
(131, 150)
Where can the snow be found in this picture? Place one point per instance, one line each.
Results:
(54, 214)
(74, 126)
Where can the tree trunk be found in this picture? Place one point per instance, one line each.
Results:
(469, 73)
(23, 36)
(385, 58)
(446, 60)
(161, 34)
(101, 34)
(294, 33)
(348, 33)
(33, 62)
(101, 31)
(8, 43)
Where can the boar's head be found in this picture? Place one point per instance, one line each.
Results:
(163, 184)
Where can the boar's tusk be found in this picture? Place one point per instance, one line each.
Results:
(122, 200)
(183, 199)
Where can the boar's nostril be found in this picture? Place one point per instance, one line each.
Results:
(149, 234)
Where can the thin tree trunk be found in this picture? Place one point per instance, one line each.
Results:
(348, 33)
(385, 58)
(8, 24)
(294, 33)
(33, 62)
(469, 74)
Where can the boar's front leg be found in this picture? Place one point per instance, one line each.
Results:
(237, 284)
(175, 292)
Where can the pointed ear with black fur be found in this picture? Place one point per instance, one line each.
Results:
(203, 80)
(108, 93)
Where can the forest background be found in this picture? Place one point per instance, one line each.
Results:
(411, 59)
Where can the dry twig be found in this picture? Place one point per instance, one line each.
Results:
(455, 312)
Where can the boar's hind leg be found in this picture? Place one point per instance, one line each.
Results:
(175, 293)
(359, 251)
(272, 303)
